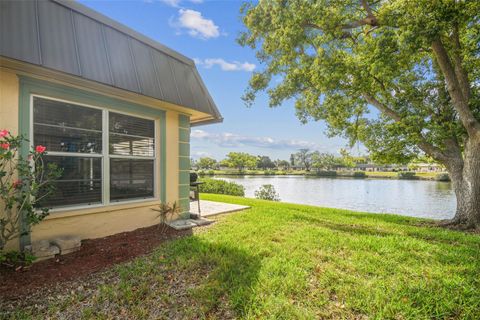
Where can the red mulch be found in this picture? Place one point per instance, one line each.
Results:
(94, 255)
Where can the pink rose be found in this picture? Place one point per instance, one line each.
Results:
(5, 146)
(17, 184)
(3, 133)
(40, 149)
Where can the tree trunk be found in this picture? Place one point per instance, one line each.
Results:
(466, 182)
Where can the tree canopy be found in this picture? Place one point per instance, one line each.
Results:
(337, 58)
(401, 76)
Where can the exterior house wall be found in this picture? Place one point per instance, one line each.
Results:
(100, 221)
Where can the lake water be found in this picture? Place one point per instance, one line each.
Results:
(416, 198)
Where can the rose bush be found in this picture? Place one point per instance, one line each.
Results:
(24, 184)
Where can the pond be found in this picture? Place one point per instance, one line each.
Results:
(416, 198)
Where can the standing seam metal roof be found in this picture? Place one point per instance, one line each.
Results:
(69, 37)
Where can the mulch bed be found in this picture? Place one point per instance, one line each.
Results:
(94, 255)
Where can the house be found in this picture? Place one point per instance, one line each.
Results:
(113, 107)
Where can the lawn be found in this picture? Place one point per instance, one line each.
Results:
(286, 261)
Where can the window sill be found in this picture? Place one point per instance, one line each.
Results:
(100, 208)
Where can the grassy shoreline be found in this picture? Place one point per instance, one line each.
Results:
(329, 174)
(288, 261)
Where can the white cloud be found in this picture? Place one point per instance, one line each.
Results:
(195, 24)
(200, 154)
(226, 66)
(226, 139)
(175, 3)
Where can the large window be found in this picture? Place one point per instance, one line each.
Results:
(77, 137)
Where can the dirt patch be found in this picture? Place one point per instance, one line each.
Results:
(94, 255)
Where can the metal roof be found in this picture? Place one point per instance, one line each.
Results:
(69, 37)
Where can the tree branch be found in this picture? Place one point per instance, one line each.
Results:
(457, 61)
(366, 6)
(427, 147)
(460, 101)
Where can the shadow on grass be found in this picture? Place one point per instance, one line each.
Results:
(222, 275)
(408, 228)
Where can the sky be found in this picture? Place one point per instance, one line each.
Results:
(206, 31)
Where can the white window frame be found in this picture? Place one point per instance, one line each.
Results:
(105, 155)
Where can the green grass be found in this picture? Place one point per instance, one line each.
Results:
(286, 261)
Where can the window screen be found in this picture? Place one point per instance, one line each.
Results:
(132, 151)
(65, 127)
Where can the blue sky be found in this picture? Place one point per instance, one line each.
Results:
(206, 31)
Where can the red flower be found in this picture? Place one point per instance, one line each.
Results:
(40, 149)
(3, 133)
(17, 184)
(5, 146)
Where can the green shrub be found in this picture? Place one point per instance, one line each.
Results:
(269, 172)
(326, 173)
(267, 192)
(359, 174)
(407, 175)
(222, 187)
(442, 177)
(14, 259)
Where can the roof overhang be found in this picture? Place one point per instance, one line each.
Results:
(66, 41)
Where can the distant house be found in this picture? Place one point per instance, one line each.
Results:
(113, 107)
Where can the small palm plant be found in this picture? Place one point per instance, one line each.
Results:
(166, 212)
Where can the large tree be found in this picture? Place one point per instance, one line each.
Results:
(304, 158)
(240, 160)
(207, 163)
(416, 62)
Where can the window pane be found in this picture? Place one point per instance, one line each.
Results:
(131, 146)
(131, 179)
(123, 124)
(80, 183)
(65, 127)
(131, 136)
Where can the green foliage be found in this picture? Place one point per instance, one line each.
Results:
(326, 173)
(359, 174)
(339, 59)
(267, 192)
(24, 185)
(14, 259)
(325, 161)
(303, 158)
(240, 161)
(409, 175)
(445, 177)
(166, 212)
(222, 187)
(206, 163)
(264, 162)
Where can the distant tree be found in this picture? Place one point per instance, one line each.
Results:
(292, 159)
(416, 62)
(264, 163)
(207, 163)
(240, 160)
(325, 161)
(193, 164)
(347, 160)
(304, 158)
(282, 164)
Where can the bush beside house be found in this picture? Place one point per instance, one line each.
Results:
(222, 187)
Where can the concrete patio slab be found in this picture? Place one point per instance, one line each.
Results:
(212, 208)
